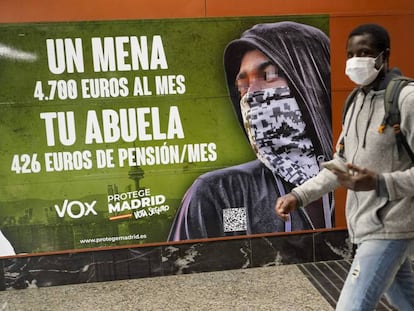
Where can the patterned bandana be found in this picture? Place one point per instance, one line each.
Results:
(276, 131)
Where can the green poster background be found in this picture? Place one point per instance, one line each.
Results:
(45, 208)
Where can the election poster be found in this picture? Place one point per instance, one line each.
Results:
(106, 125)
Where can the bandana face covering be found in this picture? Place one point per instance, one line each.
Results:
(276, 130)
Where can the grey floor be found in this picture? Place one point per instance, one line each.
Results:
(303, 287)
(268, 288)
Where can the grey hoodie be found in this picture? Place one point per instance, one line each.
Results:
(370, 215)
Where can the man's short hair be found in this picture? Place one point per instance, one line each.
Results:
(379, 34)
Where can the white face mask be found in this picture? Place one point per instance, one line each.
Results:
(361, 70)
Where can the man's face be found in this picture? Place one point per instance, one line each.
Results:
(363, 46)
(257, 72)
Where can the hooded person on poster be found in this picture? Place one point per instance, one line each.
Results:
(288, 127)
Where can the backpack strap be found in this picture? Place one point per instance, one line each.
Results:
(392, 112)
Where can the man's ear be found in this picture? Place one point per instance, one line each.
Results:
(384, 60)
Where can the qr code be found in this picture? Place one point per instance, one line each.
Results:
(235, 219)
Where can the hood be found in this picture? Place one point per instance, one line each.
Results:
(302, 53)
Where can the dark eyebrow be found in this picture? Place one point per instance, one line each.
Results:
(265, 64)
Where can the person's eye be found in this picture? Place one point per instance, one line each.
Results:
(271, 75)
(366, 53)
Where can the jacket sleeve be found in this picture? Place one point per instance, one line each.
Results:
(324, 182)
(316, 187)
(321, 184)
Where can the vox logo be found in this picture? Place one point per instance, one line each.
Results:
(75, 209)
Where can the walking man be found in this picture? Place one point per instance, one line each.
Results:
(379, 177)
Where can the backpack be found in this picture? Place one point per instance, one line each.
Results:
(392, 112)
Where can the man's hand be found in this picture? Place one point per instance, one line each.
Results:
(286, 204)
(358, 178)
